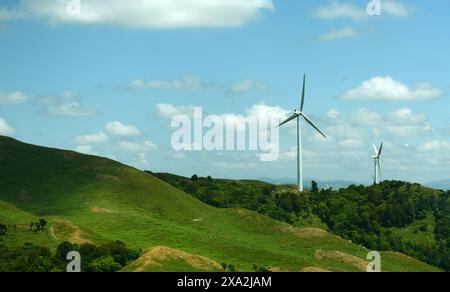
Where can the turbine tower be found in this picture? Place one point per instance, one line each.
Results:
(377, 164)
(296, 116)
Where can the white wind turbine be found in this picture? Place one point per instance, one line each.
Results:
(377, 164)
(297, 115)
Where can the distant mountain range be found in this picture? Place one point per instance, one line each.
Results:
(439, 185)
(323, 184)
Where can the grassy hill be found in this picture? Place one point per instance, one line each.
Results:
(89, 199)
(391, 216)
(264, 198)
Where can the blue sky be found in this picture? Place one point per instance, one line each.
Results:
(101, 82)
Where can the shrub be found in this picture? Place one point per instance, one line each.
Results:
(104, 264)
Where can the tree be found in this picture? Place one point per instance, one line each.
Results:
(442, 229)
(268, 190)
(194, 177)
(314, 187)
(104, 264)
(3, 231)
(42, 223)
(209, 179)
(191, 188)
(63, 249)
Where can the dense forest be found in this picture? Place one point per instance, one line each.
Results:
(371, 215)
(391, 216)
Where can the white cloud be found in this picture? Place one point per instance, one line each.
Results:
(248, 85)
(68, 104)
(344, 10)
(149, 13)
(12, 97)
(386, 88)
(339, 10)
(260, 110)
(434, 158)
(343, 33)
(349, 146)
(149, 145)
(185, 83)
(365, 117)
(402, 123)
(194, 83)
(395, 8)
(437, 145)
(73, 109)
(264, 110)
(5, 129)
(346, 154)
(168, 111)
(137, 153)
(85, 149)
(132, 147)
(406, 123)
(143, 159)
(261, 113)
(120, 129)
(97, 138)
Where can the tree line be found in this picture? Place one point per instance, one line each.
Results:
(107, 257)
(33, 226)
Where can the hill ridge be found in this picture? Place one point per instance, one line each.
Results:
(57, 183)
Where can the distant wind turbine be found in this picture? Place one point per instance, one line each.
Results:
(297, 115)
(377, 164)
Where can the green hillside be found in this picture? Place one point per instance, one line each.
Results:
(390, 216)
(264, 198)
(88, 199)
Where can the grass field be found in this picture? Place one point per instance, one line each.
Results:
(92, 199)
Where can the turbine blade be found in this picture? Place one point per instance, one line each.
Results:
(376, 150)
(312, 124)
(294, 116)
(381, 150)
(303, 94)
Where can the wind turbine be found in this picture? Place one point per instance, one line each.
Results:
(296, 116)
(377, 164)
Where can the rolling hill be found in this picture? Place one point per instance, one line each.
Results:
(92, 199)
